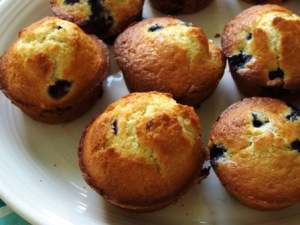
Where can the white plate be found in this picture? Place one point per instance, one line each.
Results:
(39, 174)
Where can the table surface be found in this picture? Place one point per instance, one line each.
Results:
(8, 217)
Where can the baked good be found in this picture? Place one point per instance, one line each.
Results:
(143, 152)
(173, 7)
(54, 71)
(261, 44)
(104, 18)
(168, 55)
(265, 1)
(254, 148)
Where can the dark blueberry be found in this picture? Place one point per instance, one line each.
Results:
(217, 152)
(204, 172)
(249, 36)
(294, 113)
(258, 122)
(70, 2)
(115, 126)
(276, 74)
(296, 145)
(155, 27)
(101, 17)
(238, 61)
(60, 89)
(149, 124)
(59, 27)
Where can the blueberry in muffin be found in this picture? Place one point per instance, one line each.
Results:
(169, 55)
(261, 45)
(54, 71)
(143, 152)
(255, 152)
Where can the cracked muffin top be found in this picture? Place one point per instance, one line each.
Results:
(262, 47)
(255, 151)
(143, 152)
(54, 71)
(168, 55)
(106, 19)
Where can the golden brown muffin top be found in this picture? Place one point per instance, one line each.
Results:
(75, 11)
(143, 151)
(52, 63)
(254, 147)
(262, 45)
(168, 55)
(106, 18)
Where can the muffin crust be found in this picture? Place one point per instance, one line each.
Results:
(261, 44)
(143, 152)
(254, 149)
(54, 71)
(106, 19)
(168, 55)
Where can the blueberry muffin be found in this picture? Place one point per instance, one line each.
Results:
(255, 152)
(143, 152)
(54, 71)
(263, 51)
(104, 18)
(175, 7)
(168, 55)
(266, 1)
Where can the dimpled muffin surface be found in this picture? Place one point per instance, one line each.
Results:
(255, 152)
(103, 18)
(168, 55)
(262, 47)
(143, 152)
(54, 71)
